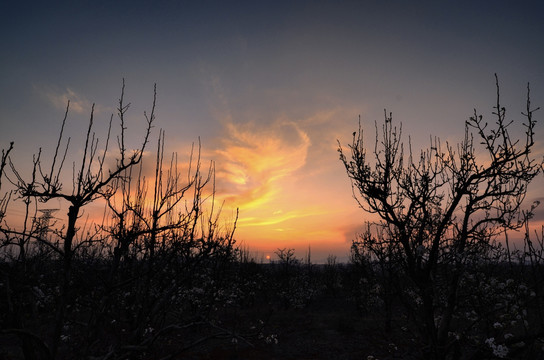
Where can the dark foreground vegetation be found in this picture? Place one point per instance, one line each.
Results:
(225, 308)
(161, 275)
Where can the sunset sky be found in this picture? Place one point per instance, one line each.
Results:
(269, 87)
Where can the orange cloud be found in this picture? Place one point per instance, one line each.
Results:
(286, 180)
(252, 161)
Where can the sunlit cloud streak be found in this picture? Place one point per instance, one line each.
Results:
(252, 160)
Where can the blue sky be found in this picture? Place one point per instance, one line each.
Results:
(268, 82)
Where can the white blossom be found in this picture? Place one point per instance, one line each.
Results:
(500, 351)
(497, 325)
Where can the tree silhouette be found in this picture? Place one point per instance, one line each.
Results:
(92, 177)
(442, 209)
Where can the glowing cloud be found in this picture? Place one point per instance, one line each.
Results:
(253, 160)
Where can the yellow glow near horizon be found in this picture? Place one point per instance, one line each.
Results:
(262, 171)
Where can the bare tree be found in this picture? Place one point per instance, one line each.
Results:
(174, 212)
(88, 181)
(6, 197)
(4, 202)
(166, 222)
(133, 218)
(444, 207)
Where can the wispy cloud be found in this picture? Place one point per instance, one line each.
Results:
(253, 159)
(59, 99)
(279, 165)
(278, 217)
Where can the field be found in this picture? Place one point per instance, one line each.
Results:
(247, 310)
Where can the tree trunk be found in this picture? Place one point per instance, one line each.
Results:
(66, 276)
